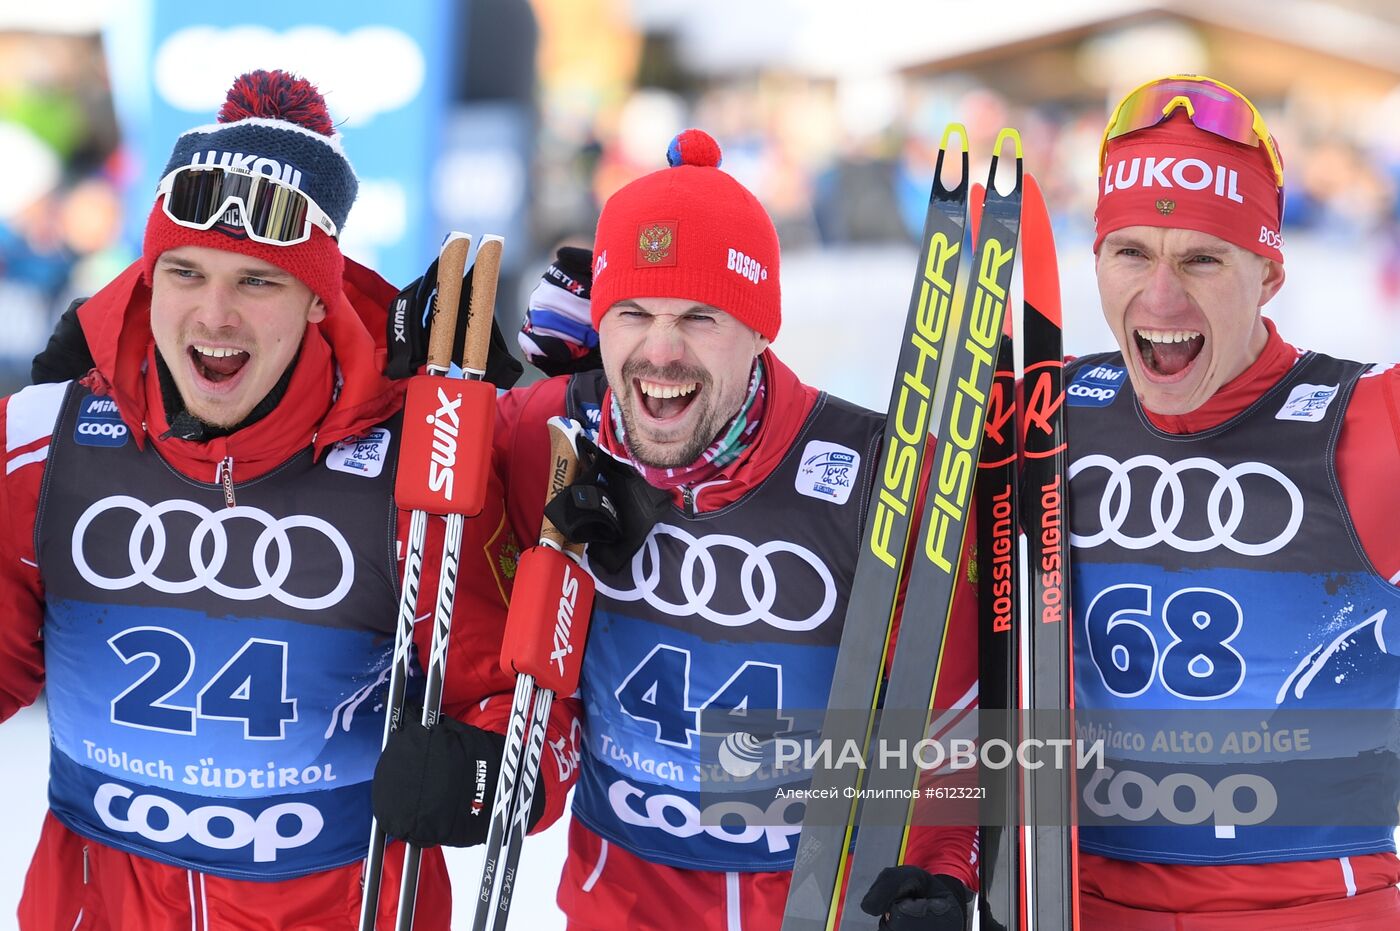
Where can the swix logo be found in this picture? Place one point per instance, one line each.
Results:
(400, 319)
(479, 792)
(1190, 174)
(564, 620)
(258, 165)
(445, 423)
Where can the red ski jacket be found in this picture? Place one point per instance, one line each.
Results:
(336, 391)
(1368, 461)
(605, 887)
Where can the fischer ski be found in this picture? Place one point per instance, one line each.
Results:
(830, 814)
(886, 811)
(1051, 845)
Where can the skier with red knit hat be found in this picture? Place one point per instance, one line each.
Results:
(200, 558)
(1235, 558)
(736, 496)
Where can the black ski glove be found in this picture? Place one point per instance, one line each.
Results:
(408, 332)
(557, 335)
(909, 898)
(67, 354)
(436, 786)
(609, 506)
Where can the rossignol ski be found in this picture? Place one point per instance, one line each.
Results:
(543, 647)
(887, 809)
(1051, 873)
(998, 627)
(826, 833)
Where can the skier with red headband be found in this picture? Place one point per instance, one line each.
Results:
(201, 558)
(1233, 501)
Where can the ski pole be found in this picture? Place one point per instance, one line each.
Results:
(545, 630)
(456, 485)
(444, 321)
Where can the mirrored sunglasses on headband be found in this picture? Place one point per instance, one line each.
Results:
(1211, 105)
(272, 212)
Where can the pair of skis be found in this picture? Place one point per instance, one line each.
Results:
(943, 383)
(444, 459)
(1028, 845)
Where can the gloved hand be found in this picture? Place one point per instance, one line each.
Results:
(558, 336)
(609, 506)
(408, 332)
(436, 786)
(909, 898)
(66, 355)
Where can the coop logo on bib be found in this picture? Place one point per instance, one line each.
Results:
(828, 471)
(1096, 387)
(100, 424)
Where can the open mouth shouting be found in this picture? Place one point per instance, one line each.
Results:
(1167, 354)
(665, 402)
(216, 368)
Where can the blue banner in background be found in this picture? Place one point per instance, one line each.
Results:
(382, 68)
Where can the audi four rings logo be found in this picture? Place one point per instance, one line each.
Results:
(150, 525)
(646, 578)
(1168, 503)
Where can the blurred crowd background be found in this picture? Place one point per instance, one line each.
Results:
(521, 116)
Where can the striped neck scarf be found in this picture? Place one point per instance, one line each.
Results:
(727, 447)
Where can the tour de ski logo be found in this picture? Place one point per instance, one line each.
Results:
(1307, 402)
(654, 245)
(100, 424)
(828, 471)
(1096, 386)
(360, 455)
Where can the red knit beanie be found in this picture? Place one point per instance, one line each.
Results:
(689, 231)
(277, 124)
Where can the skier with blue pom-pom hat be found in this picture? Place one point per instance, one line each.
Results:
(201, 560)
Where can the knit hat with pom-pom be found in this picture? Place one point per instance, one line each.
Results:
(276, 124)
(689, 231)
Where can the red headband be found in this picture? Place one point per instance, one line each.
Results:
(1177, 176)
